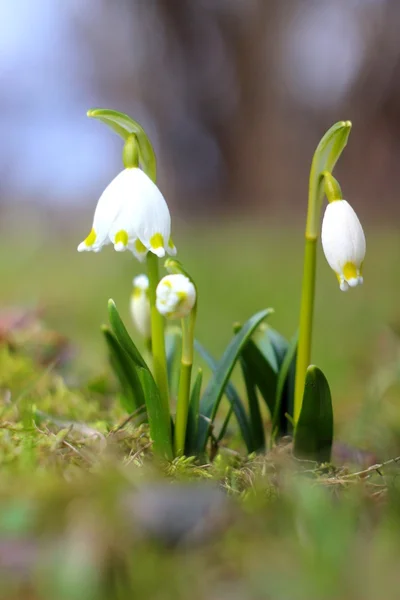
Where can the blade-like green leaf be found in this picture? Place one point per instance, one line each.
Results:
(256, 421)
(263, 339)
(314, 431)
(234, 399)
(285, 392)
(279, 344)
(126, 372)
(173, 348)
(193, 416)
(225, 424)
(124, 126)
(262, 366)
(211, 398)
(123, 336)
(160, 430)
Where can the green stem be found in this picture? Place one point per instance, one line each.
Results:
(182, 406)
(332, 188)
(321, 181)
(157, 337)
(306, 322)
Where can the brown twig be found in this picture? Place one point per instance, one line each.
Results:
(373, 468)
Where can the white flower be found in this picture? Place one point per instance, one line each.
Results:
(140, 306)
(131, 214)
(175, 296)
(343, 242)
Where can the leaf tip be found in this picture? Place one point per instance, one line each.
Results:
(111, 304)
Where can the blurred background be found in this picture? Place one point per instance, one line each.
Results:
(235, 95)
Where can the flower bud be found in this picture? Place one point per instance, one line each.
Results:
(140, 306)
(175, 296)
(343, 242)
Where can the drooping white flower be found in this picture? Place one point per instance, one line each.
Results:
(343, 241)
(140, 305)
(133, 215)
(175, 296)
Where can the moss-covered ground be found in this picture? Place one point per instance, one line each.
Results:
(86, 512)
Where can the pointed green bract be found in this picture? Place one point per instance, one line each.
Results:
(314, 431)
(325, 157)
(124, 126)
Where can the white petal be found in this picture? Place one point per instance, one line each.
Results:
(342, 236)
(107, 210)
(144, 212)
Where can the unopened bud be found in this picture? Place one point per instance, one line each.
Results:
(176, 296)
(140, 305)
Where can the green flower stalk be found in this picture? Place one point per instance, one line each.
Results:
(158, 337)
(177, 299)
(133, 215)
(326, 155)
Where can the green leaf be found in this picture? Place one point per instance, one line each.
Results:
(212, 396)
(233, 397)
(225, 424)
(285, 392)
(314, 431)
(279, 344)
(124, 126)
(325, 157)
(173, 349)
(262, 366)
(123, 336)
(256, 421)
(193, 415)
(160, 430)
(126, 372)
